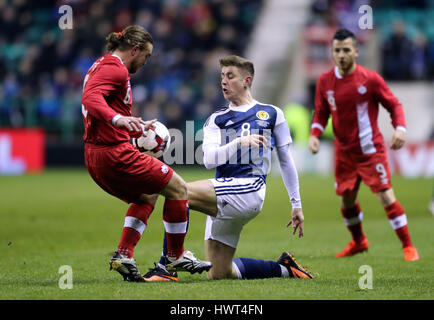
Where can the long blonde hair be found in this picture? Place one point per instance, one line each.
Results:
(129, 37)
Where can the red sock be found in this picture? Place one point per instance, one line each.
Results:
(136, 221)
(353, 219)
(175, 223)
(398, 220)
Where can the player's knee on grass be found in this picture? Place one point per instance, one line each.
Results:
(221, 257)
(220, 271)
(221, 268)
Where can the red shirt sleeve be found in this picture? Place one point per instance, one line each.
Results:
(387, 99)
(105, 79)
(322, 112)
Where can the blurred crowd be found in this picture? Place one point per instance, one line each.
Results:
(405, 29)
(42, 67)
(408, 57)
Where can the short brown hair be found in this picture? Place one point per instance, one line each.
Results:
(129, 37)
(239, 62)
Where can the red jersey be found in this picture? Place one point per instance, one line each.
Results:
(353, 101)
(106, 94)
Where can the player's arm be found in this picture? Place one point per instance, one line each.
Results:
(289, 175)
(213, 153)
(320, 119)
(384, 95)
(216, 154)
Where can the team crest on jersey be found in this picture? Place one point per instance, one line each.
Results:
(331, 99)
(362, 89)
(263, 115)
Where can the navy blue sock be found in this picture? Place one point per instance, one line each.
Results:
(164, 252)
(257, 269)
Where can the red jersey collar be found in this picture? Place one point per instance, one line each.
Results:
(339, 76)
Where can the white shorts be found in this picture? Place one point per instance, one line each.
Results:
(239, 200)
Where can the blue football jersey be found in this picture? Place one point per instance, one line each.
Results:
(229, 123)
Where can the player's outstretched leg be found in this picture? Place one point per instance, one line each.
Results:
(285, 266)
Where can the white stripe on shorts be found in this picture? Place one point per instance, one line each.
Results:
(240, 188)
(134, 223)
(175, 227)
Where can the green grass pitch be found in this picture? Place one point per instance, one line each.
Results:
(61, 217)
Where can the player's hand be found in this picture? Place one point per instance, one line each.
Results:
(398, 140)
(134, 123)
(297, 221)
(314, 144)
(148, 124)
(254, 140)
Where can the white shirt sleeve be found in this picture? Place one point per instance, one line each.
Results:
(280, 118)
(281, 130)
(211, 132)
(289, 175)
(215, 154)
(116, 118)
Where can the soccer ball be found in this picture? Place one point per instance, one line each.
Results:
(154, 142)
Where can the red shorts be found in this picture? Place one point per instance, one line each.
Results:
(124, 172)
(351, 169)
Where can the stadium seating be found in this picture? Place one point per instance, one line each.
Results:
(42, 66)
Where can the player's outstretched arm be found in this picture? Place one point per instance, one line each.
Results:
(289, 176)
(290, 179)
(215, 155)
